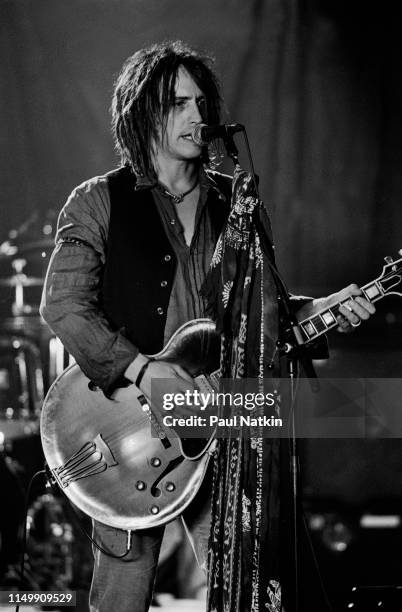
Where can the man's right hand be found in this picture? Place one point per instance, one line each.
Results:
(162, 370)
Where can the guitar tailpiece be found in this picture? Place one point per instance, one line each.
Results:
(51, 481)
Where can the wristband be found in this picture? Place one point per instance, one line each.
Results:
(142, 372)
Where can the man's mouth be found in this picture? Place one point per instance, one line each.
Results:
(188, 137)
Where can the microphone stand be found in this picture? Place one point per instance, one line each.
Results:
(296, 353)
(231, 148)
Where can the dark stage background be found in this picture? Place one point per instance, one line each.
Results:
(316, 83)
(318, 86)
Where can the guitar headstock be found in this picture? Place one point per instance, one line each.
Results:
(390, 279)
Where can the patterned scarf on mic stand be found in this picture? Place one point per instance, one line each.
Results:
(243, 555)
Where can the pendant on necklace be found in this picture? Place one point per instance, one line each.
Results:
(178, 199)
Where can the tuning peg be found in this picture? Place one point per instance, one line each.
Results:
(400, 252)
(388, 259)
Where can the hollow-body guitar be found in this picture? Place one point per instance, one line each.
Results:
(102, 453)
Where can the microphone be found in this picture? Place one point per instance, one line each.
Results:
(203, 134)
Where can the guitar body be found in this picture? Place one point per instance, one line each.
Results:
(102, 453)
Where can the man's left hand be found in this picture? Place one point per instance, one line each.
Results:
(351, 313)
(355, 310)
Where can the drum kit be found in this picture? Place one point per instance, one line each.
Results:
(27, 357)
(31, 357)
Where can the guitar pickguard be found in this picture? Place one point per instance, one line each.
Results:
(92, 458)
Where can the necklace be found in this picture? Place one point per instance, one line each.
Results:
(178, 199)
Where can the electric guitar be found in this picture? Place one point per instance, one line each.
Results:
(102, 453)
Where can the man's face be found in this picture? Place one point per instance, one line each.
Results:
(189, 108)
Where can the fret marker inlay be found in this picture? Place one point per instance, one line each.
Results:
(328, 317)
(310, 330)
(372, 291)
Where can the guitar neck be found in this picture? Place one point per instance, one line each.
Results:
(325, 319)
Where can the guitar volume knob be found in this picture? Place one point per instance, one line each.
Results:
(170, 486)
(140, 485)
(155, 461)
(154, 509)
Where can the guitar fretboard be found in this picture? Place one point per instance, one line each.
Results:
(325, 320)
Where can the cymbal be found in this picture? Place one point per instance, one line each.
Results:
(8, 250)
(12, 250)
(20, 280)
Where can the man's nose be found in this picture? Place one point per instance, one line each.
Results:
(195, 113)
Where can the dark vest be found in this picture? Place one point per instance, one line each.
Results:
(140, 262)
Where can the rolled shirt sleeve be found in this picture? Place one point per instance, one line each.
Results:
(70, 301)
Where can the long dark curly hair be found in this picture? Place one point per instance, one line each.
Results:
(144, 93)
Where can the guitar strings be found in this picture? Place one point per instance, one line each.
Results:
(126, 428)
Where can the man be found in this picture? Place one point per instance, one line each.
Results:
(133, 248)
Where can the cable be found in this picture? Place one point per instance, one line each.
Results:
(71, 509)
(77, 519)
(24, 536)
(315, 561)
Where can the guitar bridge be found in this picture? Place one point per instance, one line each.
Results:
(92, 458)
